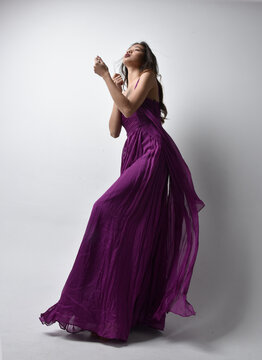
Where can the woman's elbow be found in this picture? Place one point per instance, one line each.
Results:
(114, 135)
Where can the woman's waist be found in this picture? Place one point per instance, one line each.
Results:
(148, 128)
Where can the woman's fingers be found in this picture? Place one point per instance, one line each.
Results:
(98, 59)
(117, 78)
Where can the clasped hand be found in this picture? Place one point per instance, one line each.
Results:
(100, 67)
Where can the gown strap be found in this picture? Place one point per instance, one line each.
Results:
(137, 82)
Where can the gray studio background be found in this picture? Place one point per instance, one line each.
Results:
(57, 158)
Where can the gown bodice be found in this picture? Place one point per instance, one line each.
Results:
(139, 119)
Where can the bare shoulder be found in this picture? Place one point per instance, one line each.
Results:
(149, 82)
(148, 75)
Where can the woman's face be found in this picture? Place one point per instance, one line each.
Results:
(134, 55)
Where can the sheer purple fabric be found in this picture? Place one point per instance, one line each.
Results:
(183, 227)
(136, 258)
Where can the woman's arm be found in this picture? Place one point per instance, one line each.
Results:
(127, 106)
(121, 102)
(115, 122)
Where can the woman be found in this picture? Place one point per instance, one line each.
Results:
(137, 255)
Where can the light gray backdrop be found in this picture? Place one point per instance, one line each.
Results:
(57, 158)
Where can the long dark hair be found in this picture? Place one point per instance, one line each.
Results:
(149, 63)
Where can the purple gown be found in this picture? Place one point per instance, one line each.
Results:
(136, 258)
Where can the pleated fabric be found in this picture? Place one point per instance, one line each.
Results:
(137, 255)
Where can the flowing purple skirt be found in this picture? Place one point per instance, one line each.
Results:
(136, 258)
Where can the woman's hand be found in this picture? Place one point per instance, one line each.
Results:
(100, 67)
(118, 80)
